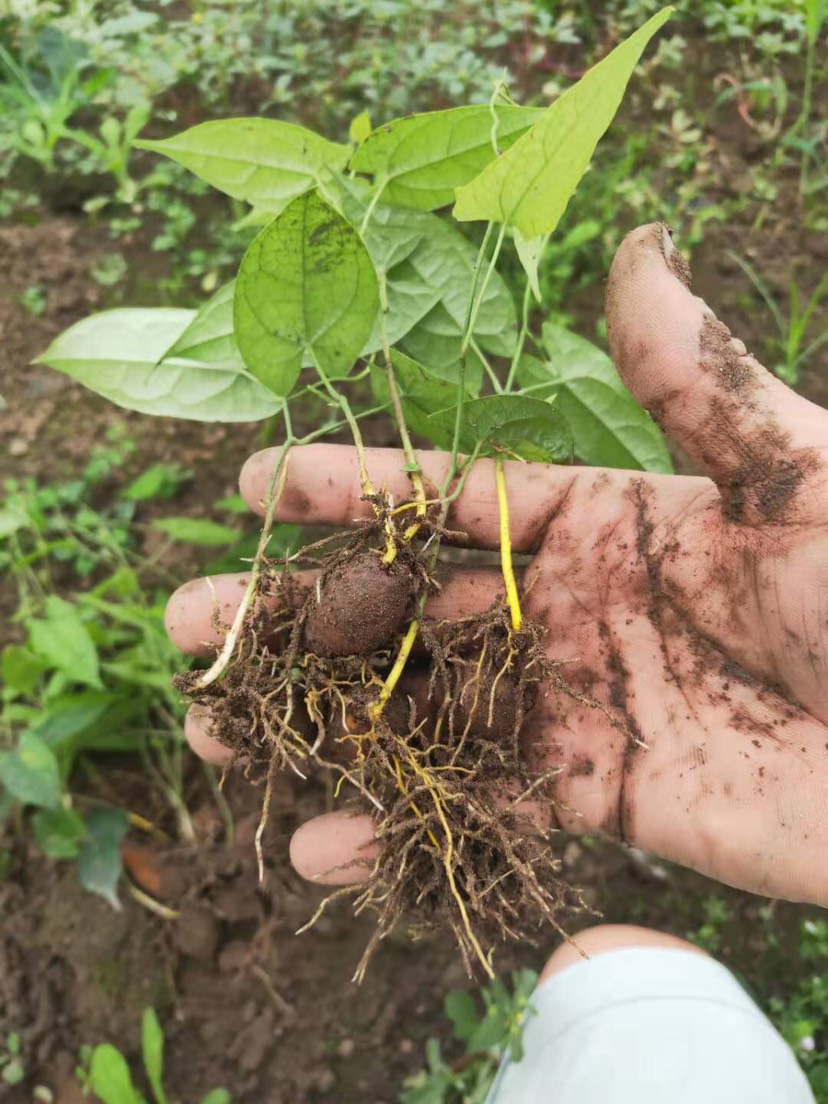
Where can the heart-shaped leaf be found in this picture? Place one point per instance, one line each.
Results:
(306, 288)
(529, 428)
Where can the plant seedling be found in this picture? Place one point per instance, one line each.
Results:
(105, 1071)
(354, 282)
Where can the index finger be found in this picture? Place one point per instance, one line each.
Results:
(323, 488)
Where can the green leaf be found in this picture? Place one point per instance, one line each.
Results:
(233, 504)
(530, 428)
(109, 1077)
(409, 301)
(428, 266)
(445, 260)
(435, 343)
(92, 720)
(30, 772)
(21, 669)
(531, 184)
(123, 355)
(360, 127)
(421, 159)
(152, 1047)
(209, 336)
(63, 640)
(262, 161)
(816, 12)
(491, 1031)
(12, 519)
(421, 393)
(217, 1096)
(462, 1011)
(306, 286)
(59, 832)
(529, 251)
(610, 429)
(13, 1073)
(99, 862)
(157, 481)
(200, 531)
(390, 237)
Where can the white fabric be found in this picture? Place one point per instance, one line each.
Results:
(649, 1026)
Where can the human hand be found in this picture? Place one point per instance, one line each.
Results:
(696, 609)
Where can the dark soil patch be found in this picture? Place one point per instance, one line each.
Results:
(246, 1003)
(249, 1005)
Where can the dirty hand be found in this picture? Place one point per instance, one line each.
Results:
(696, 609)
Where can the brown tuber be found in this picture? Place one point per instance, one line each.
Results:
(358, 606)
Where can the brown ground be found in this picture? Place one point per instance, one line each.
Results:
(245, 1003)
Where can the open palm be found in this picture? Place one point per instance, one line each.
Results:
(696, 609)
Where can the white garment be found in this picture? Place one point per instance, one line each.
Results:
(646, 1025)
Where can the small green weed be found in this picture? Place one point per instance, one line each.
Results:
(91, 670)
(105, 1072)
(793, 347)
(33, 299)
(12, 1070)
(487, 1036)
(46, 84)
(708, 935)
(802, 1017)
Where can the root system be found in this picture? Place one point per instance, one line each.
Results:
(435, 758)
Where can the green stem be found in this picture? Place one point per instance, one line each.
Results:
(274, 493)
(342, 402)
(521, 341)
(490, 372)
(369, 210)
(475, 301)
(396, 403)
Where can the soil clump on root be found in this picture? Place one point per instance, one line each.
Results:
(435, 759)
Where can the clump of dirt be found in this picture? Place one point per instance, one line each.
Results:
(313, 684)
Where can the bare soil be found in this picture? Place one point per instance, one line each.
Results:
(246, 1003)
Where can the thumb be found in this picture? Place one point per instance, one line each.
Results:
(757, 439)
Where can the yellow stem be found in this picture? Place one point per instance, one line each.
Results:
(396, 671)
(507, 568)
(418, 506)
(390, 553)
(137, 821)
